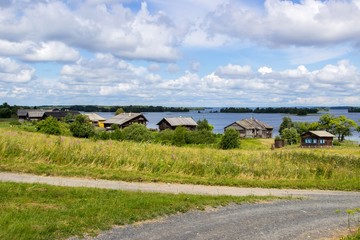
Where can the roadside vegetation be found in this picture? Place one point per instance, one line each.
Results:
(335, 168)
(35, 211)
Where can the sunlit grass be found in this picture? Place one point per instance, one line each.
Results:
(334, 168)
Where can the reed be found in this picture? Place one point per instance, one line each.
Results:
(337, 168)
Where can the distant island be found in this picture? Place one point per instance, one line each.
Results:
(354, 109)
(286, 110)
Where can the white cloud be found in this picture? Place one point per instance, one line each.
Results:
(13, 72)
(265, 70)
(233, 71)
(308, 23)
(52, 51)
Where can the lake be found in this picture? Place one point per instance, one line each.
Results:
(221, 120)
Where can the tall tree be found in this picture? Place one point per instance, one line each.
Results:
(286, 123)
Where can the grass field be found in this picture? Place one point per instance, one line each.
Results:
(336, 168)
(34, 211)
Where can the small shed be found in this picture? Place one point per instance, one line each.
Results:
(252, 128)
(174, 122)
(125, 119)
(317, 139)
(96, 119)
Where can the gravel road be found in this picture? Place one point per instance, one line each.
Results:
(313, 217)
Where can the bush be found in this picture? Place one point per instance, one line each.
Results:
(14, 123)
(204, 125)
(165, 137)
(82, 127)
(137, 133)
(290, 135)
(49, 126)
(230, 139)
(201, 137)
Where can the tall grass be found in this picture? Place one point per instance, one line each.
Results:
(296, 168)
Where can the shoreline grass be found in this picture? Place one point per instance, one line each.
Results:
(37, 211)
(333, 169)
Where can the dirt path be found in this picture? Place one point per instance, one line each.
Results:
(161, 187)
(315, 217)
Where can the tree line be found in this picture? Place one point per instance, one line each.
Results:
(130, 108)
(285, 110)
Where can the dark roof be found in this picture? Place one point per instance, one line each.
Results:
(123, 118)
(252, 123)
(179, 121)
(35, 114)
(320, 133)
(60, 114)
(22, 112)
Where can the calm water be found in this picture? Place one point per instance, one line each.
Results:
(221, 120)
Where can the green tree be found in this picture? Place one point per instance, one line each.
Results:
(82, 127)
(49, 125)
(340, 126)
(204, 125)
(286, 123)
(230, 139)
(180, 136)
(290, 135)
(119, 111)
(137, 133)
(303, 127)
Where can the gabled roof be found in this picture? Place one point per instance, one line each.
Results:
(252, 123)
(22, 112)
(95, 117)
(321, 133)
(179, 121)
(36, 114)
(123, 118)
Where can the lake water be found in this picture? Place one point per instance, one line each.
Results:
(221, 120)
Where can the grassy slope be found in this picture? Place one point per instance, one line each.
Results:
(34, 211)
(337, 168)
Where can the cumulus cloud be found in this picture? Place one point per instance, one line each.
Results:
(265, 70)
(231, 70)
(97, 26)
(280, 23)
(13, 72)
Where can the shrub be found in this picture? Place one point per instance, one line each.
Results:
(201, 137)
(180, 136)
(230, 139)
(290, 135)
(137, 133)
(165, 137)
(14, 123)
(49, 126)
(204, 125)
(82, 127)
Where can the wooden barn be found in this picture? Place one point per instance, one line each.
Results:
(317, 139)
(96, 119)
(125, 119)
(174, 122)
(252, 128)
(59, 115)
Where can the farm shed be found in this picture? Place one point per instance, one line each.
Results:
(317, 139)
(96, 119)
(174, 122)
(252, 128)
(125, 119)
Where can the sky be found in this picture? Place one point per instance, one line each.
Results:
(189, 53)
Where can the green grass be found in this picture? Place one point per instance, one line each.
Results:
(35, 211)
(336, 168)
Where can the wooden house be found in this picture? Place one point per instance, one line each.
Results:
(317, 139)
(174, 122)
(96, 119)
(252, 128)
(125, 119)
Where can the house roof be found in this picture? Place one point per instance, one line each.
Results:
(36, 114)
(60, 114)
(321, 133)
(252, 123)
(95, 117)
(179, 121)
(22, 112)
(123, 118)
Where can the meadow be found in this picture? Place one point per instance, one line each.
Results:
(254, 165)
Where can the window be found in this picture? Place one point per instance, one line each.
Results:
(315, 141)
(308, 140)
(322, 141)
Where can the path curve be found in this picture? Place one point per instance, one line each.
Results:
(314, 217)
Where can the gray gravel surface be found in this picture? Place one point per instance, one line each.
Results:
(313, 217)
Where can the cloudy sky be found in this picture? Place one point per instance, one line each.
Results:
(180, 53)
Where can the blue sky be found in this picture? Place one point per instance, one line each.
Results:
(180, 53)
